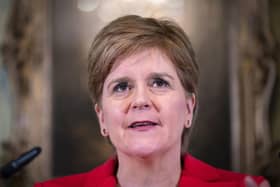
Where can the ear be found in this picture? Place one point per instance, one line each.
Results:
(100, 116)
(190, 102)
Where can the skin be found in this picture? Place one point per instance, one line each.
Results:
(145, 87)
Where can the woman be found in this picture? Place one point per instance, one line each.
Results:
(143, 80)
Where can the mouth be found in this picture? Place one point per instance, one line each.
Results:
(139, 124)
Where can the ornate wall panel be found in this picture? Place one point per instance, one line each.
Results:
(26, 54)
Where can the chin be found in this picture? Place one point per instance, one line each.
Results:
(143, 151)
(142, 154)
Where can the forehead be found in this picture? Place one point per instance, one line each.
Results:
(150, 58)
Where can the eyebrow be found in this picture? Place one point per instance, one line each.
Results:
(151, 75)
(161, 74)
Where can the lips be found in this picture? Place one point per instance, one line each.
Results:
(142, 124)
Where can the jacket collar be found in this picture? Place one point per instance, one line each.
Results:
(198, 169)
(104, 175)
(193, 169)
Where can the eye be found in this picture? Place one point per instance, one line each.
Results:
(159, 83)
(121, 87)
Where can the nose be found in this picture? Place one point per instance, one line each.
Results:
(141, 99)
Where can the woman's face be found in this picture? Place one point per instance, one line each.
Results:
(144, 106)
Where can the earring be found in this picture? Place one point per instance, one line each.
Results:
(188, 123)
(104, 132)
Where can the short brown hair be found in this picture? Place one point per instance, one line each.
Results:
(129, 34)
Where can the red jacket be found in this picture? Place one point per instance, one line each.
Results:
(195, 173)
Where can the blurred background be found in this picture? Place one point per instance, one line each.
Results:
(44, 99)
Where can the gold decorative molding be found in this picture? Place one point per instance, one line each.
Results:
(252, 85)
(26, 54)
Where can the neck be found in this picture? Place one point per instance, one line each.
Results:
(159, 170)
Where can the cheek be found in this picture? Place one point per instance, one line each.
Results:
(175, 111)
(111, 115)
(114, 114)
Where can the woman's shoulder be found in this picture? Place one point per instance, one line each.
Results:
(102, 175)
(199, 172)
